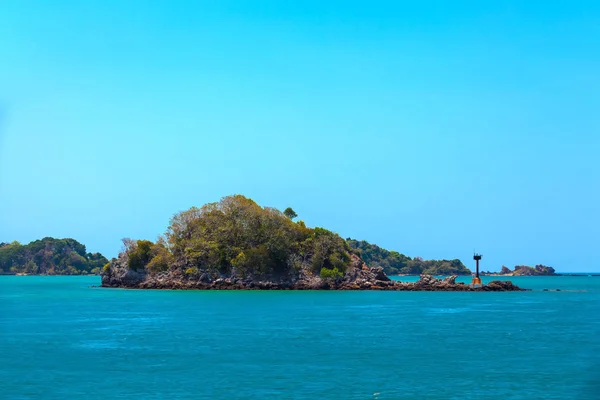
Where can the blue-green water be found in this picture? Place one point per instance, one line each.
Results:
(61, 339)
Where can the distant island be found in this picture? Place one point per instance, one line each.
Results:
(237, 244)
(394, 263)
(524, 270)
(49, 256)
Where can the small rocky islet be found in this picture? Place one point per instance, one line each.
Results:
(235, 244)
(523, 270)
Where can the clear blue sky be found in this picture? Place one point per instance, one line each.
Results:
(428, 127)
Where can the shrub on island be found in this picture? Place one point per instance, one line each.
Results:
(236, 236)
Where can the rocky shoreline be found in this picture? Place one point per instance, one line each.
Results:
(523, 270)
(358, 277)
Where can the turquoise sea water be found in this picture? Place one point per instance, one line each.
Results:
(61, 339)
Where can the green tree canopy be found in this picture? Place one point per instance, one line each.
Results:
(394, 263)
(49, 256)
(290, 213)
(236, 236)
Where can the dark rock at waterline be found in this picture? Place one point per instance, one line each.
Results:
(119, 275)
(379, 274)
(501, 286)
(357, 277)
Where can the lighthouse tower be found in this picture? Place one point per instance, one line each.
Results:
(476, 282)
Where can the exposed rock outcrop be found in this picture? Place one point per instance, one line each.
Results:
(357, 277)
(119, 275)
(523, 270)
(505, 270)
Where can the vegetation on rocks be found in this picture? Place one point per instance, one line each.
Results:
(49, 256)
(236, 244)
(537, 270)
(334, 273)
(524, 270)
(394, 263)
(237, 237)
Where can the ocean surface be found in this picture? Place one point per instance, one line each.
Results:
(60, 338)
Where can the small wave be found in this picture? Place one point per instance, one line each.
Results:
(367, 306)
(457, 310)
(100, 344)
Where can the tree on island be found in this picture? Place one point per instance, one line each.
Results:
(290, 213)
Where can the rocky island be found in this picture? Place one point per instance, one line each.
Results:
(235, 244)
(524, 270)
